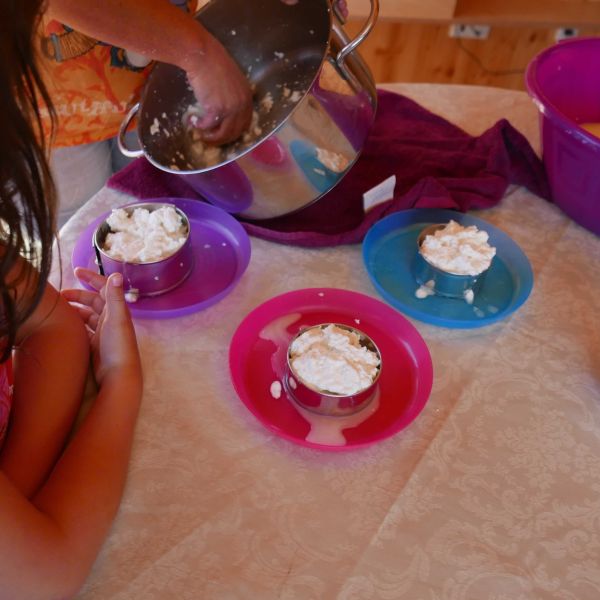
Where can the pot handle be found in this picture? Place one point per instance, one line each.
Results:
(123, 130)
(366, 30)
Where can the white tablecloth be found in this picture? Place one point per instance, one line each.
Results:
(492, 493)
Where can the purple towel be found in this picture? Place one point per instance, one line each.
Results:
(437, 165)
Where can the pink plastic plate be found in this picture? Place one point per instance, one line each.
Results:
(257, 356)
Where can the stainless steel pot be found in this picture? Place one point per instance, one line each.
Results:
(315, 99)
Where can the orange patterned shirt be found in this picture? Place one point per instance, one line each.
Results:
(92, 85)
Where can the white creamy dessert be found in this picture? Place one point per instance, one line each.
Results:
(143, 236)
(458, 250)
(333, 360)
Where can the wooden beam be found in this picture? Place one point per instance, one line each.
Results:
(405, 9)
(533, 13)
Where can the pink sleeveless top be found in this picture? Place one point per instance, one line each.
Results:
(5, 398)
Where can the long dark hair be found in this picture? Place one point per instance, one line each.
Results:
(27, 196)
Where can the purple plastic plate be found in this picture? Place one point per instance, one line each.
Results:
(257, 358)
(221, 250)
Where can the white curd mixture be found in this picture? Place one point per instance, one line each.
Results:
(458, 250)
(275, 389)
(425, 290)
(143, 236)
(323, 429)
(333, 360)
(332, 160)
(205, 155)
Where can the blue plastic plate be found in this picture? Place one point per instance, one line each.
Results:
(388, 251)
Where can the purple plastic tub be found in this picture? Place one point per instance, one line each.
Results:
(564, 82)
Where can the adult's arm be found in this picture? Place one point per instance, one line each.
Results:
(160, 31)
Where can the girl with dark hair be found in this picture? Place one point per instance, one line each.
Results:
(58, 491)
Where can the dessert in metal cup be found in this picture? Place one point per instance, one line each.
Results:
(149, 243)
(451, 261)
(332, 369)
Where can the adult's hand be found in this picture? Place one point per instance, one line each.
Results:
(160, 31)
(222, 91)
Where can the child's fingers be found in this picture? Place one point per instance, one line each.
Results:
(84, 297)
(117, 350)
(116, 313)
(89, 317)
(115, 299)
(90, 277)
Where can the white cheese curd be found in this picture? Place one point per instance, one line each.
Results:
(332, 160)
(458, 250)
(296, 96)
(426, 290)
(208, 155)
(132, 295)
(469, 296)
(275, 390)
(332, 359)
(267, 102)
(155, 127)
(142, 236)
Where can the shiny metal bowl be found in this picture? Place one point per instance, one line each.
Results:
(324, 402)
(324, 103)
(146, 278)
(443, 283)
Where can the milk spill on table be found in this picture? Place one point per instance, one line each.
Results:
(328, 431)
(324, 430)
(276, 332)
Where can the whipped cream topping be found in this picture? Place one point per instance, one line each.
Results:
(141, 236)
(458, 250)
(333, 360)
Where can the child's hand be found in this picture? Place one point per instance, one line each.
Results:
(112, 336)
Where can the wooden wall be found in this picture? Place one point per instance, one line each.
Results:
(424, 52)
(401, 49)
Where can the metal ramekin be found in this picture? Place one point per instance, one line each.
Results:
(443, 283)
(149, 278)
(323, 402)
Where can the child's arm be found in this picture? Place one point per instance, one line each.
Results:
(50, 365)
(48, 545)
